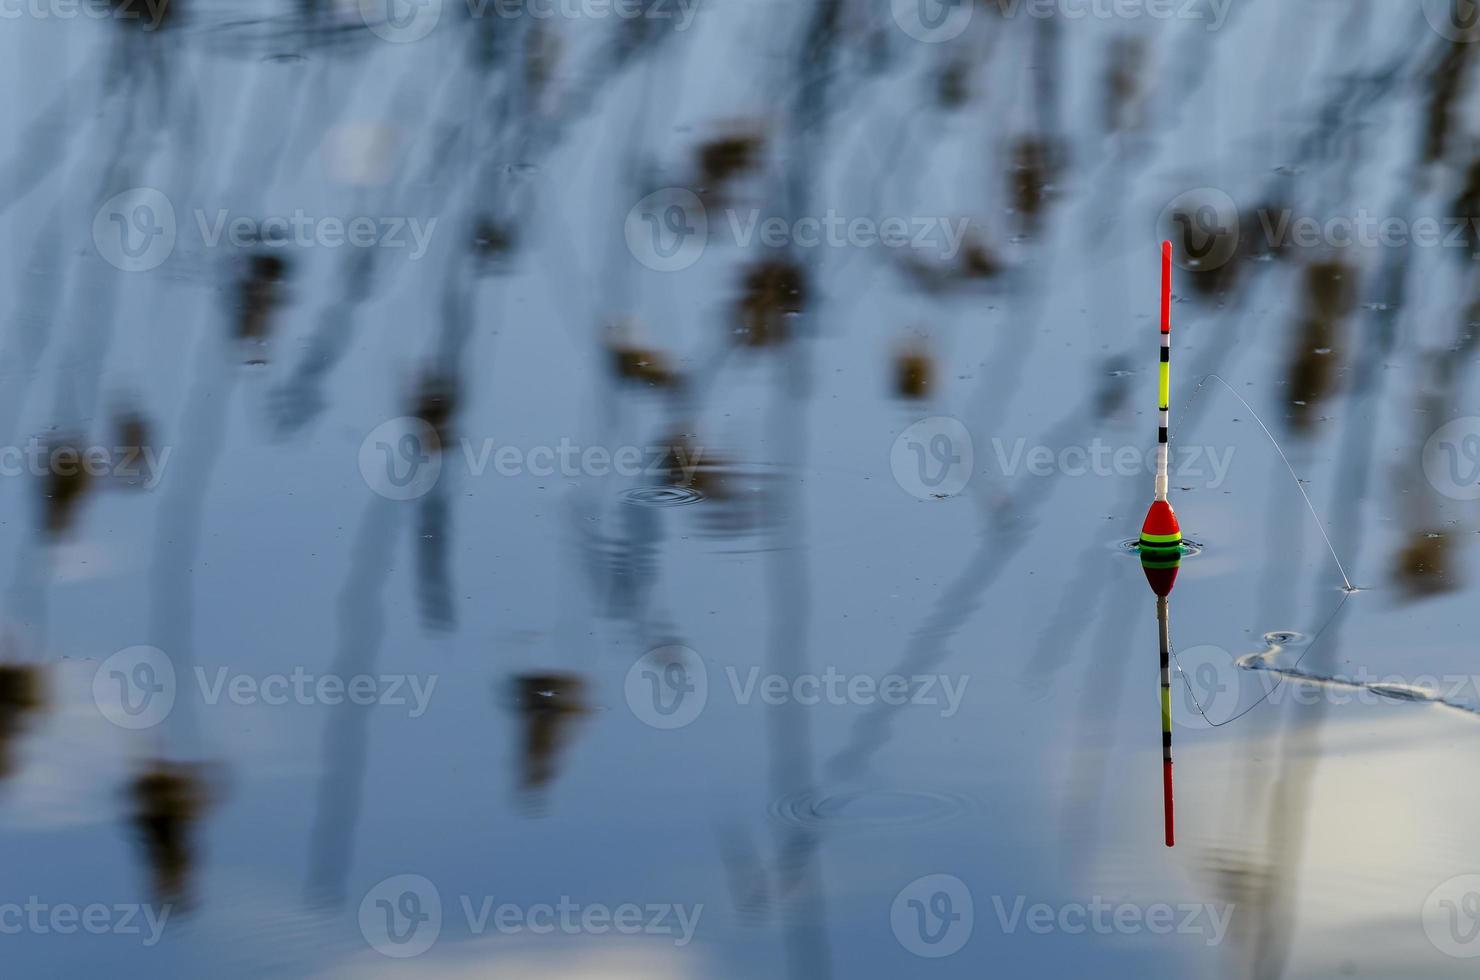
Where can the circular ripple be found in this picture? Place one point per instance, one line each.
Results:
(1285, 638)
(869, 809)
(661, 496)
(1132, 546)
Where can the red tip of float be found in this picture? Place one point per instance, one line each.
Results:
(1166, 287)
(1166, 795)
(1160, 520)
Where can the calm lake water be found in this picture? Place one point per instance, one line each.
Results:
(590, 488)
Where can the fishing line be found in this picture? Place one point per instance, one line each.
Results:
(1347, 590)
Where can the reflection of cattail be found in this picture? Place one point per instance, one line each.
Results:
(131, 439)
(492, 239)
(914, 372)
(975, 263)
(631, 362)
(257, 295)
(951, 86)
(435, 402)
(542, 51)
(977, 260)
(22, 694)
(773, 291)
(65, 483)
(548, 704)
(688, 466)
(1449, 79)
(1422, 566)
(1034, 165)
(168, 798)
(1123, 83)
(1467, 207)
(723, 158)
(1330, 294)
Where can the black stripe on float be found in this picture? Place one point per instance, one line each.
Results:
(1161, 433)
(1166, 740)
(1166, 355)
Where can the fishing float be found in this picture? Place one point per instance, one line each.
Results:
(1161, 539)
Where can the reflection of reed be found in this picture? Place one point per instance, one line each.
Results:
(549, 705)
(22, 697)
(1330, 294)
(167, 801)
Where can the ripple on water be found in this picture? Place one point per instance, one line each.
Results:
(1132, 546)
(662, 496)
(870, 809)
